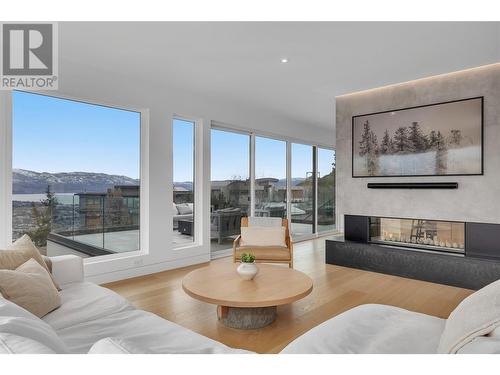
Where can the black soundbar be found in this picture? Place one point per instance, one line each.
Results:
(412, 185)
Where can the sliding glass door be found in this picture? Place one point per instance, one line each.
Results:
(270, 177)
(230, 186)
(326, 189)
(286, 176)
(302, 190)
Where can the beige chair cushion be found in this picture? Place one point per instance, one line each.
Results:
(30, 287)
(263, 236)
(20, 252)
(276, 253)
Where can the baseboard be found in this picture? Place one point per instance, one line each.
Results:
(146, 270)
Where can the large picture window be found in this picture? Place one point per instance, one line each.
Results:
(183, 172)
(76, 175)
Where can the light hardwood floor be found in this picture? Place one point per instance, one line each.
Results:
(336, 289)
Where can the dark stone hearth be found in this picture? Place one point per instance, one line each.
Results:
(460, 271)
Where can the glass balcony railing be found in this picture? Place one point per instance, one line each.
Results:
(97, 224)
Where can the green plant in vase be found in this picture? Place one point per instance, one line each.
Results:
(247, 269)
(247, 258)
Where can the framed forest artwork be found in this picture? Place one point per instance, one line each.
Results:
(443, 139)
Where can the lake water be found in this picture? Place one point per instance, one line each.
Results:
(62, 198)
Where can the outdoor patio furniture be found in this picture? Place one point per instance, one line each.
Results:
(225, 223)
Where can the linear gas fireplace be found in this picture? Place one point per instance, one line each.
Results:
(435, 235)
(460, 238)
(464, 254)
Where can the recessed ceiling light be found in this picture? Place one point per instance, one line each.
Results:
(284, 60)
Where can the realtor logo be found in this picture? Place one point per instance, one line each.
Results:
(29, 59)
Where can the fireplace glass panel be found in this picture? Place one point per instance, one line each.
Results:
(426, 234)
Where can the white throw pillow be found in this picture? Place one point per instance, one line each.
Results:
(113, 345)
(174, 209)
(13, 344)
(263, 236)
(477, 315)
(17, 321)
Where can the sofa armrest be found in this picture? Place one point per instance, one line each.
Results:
(67, 269)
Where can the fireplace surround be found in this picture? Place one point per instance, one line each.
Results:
(479, 240)
(463, 254)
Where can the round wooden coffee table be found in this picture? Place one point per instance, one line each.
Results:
(246, 304)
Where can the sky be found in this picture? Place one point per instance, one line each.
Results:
(230, 157)
(56, 135)
(183, 149)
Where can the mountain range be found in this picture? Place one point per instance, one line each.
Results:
(30, 182)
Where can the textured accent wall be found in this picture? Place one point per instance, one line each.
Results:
(477, 197)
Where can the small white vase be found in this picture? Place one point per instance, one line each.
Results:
(247, 271)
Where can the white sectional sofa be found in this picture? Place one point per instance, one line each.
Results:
(472, 328)
(90, 313)
(372, 329)
(97, 320)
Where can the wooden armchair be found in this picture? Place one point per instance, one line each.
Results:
(264, 254)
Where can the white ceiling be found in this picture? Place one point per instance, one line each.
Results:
(241, 61)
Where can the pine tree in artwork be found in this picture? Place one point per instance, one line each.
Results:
(433, 140)
(368, 143)
(441, 154)
(455, 137)
(402, 143)
(386, 147)
(368, 146)
(418, 141)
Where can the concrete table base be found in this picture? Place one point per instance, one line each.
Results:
(246, 317)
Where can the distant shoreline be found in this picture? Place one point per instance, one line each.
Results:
(63, 198)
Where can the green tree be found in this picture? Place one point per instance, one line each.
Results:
(43, 215)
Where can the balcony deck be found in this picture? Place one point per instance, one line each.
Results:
(126, 241)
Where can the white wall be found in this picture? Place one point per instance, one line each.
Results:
(160, 104)
(477, 197)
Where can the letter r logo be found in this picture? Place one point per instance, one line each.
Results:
(27, 49)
